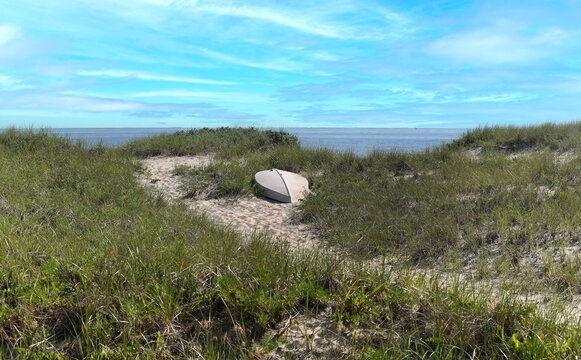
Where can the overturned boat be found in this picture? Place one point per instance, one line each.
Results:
(280, 185)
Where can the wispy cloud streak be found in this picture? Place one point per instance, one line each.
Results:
(279, 65)
(11, 83)
(147, 76)
(7, 33)
(314, 21)
(287, 19)
(498, 45)
(207, 95)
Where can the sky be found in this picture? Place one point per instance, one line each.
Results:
(342, 63)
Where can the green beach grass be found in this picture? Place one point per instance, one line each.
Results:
(94, 266)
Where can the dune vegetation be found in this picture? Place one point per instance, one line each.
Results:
(478, 241)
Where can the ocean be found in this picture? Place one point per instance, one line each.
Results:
(360, 141)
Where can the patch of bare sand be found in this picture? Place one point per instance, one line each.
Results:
(476, 153)
(317, 336)
(159, 173)
(251, 214)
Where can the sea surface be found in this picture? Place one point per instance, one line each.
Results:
(360, 141)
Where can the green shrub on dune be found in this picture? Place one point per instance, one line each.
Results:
(222, 141)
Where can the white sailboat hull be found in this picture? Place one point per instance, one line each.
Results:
(283, 186)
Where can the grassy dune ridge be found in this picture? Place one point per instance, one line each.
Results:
(223, 141)
(552, 136)
(92, 266)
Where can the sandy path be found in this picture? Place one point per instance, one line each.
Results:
(247, 215)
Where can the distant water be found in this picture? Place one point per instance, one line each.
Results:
(111, 136)
(360, 141)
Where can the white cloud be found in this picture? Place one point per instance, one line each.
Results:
(7, 33)
(159, 2)
(203, 95)
(500, 98)
(287, 19)
(414, 94)
(497, 46)
(279, 64)
(87, 104)
(326, 56)
(146, 76)
(563, 85)
(70, 102)
(11, 83)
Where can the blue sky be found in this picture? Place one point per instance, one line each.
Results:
(344, 63)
